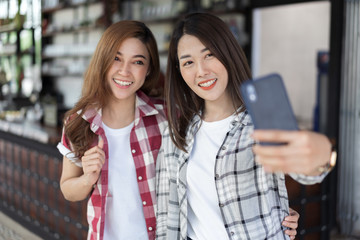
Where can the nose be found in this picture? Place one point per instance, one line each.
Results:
(124, 69)
(202, 69)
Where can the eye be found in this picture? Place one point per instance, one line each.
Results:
(209, 55)
(139, 62)
(117, 58)
(187, 63)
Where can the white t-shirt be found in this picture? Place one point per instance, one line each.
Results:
(204, 217)
(124, 217)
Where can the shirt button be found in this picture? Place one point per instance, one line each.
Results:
(223, 147)
(221, 205)
(216, 176)
(140, 177)
(150, 228)
(133, 151)
(232, 233)
(144, 202)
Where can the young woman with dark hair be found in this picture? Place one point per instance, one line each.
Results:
(112, 136)
(209, 185)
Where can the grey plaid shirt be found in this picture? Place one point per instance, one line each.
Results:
(252, 203)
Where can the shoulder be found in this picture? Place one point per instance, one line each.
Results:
(244, 118)
(241, 129)
(159, 105)
(147, 104)
(167, 143)
(152, 106)
(171, 151)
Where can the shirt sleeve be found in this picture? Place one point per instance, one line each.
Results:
(162, 193)
(308, 180)
(64, 148)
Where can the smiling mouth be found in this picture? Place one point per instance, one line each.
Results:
(207, 84)
(122, 83)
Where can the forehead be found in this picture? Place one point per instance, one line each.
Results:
(133, 46)
(190, 45)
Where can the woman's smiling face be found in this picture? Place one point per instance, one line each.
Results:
(130, 67)
(201, 70)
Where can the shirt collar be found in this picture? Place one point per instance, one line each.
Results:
(143, 104)
(243, 118)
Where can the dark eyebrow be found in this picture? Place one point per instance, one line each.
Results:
(186, 56)
(204, 50)
(135, 56)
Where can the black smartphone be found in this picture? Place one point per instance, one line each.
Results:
(268, 104)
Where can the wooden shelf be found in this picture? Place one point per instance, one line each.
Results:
(49, 75)
(160, 20)
(10, 54)
(11, 28)
(73, 31)
(66, 6)
(7, 28)
(50, 57)
(7, 54)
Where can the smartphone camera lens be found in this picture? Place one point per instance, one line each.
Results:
(251, 93)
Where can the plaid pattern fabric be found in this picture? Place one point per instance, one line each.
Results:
(252, 203)
(145, 141)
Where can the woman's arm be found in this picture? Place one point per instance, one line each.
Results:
(76, 183)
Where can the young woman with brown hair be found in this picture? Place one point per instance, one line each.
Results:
(209, 185)
(112, 136)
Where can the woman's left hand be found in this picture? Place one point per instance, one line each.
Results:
(291, 222)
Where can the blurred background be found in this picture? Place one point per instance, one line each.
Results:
(46, 45)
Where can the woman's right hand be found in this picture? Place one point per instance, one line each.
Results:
(92, 162)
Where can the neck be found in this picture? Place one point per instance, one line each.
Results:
(218, 110)
(119, 113)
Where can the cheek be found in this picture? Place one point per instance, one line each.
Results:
(223, 73)
(226, 77)
(186, 75)
(142, 74)
(109, 76)
(140, 71)
(111, 71)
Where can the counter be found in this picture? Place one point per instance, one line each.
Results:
(30, 170)
(32, 130)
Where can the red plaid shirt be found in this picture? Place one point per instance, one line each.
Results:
(145, 141)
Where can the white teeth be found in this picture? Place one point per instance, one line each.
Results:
(122, 83)
(207, 84)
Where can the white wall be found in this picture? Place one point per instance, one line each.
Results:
(286, 40)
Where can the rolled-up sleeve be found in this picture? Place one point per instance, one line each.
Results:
(308, 180)
(64, 148)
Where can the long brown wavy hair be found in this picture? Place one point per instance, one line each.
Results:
(95, 91)
(182, 102)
